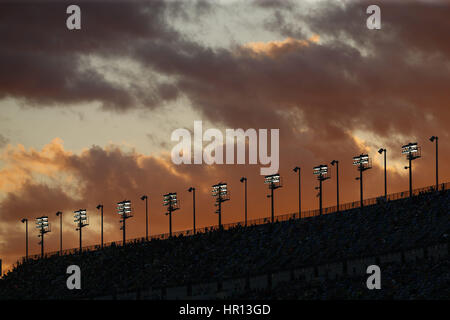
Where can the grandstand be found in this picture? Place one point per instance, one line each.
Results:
(315, 257)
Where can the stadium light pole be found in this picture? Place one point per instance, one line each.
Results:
(298, 169)
(274, 182)
(220, 192)
(59, 213)
(100, 207)
(385, 171)
(321, 171)
(363, 163)
(336, 162)
(124, 210)
(244, 180)
(25, 220)
(171, 202)
(412, 152)
(43, 227)
(144, 197)
(192, 189)
(432, 139)
(81, 221)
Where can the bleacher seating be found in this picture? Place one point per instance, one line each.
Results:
(383, 229)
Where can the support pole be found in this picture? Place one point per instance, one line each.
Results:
(361, 185)
(320, 196)
(271, 200)
(299, 194)
(26, 239)
(60, 234)
(170, 223)
(385, 176)
(81, 233)
(123, 228)
(437, 165)
(146, 218)
(42, 244)
(337, 186)
(245, 202)
(193, 190)
(410, 176)
(102, 226)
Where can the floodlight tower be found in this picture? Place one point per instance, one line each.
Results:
(25, 220)
(298, 169)
(191, 189)
(432, 139)
(81, 221)
(385, 172)
(59, 213)
(220, 192)
(100, 207)
(144, 197)
(336, 162)
(171, 202)
(274, 182)
(43, 226)
(363, 163)
(124, 210)
(321, 171)
(244, 180)
(412, 152)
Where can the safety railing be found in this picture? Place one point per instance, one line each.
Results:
(259, 221)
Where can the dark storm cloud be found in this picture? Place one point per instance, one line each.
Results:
(402, 79)
(41, 62)
(388, 84)
(40, 59)
(392, 82)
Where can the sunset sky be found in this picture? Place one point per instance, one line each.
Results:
(87, 115)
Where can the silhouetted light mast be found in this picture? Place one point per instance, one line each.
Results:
(336, 162)
(100, 207)
(412, 152)
(385, 171)
(43, 227)
(171, 202)
(60, 214)
(25, 220)
(274, 182)
(220, 192)
(81, 221)
(432, 139)
(298, 169)
(144, 197)
(124, 210)
(363, 163)
(191, 189)
(244, 180)
(321, 171)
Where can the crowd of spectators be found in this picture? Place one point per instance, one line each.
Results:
(423, 279)
(390, 226)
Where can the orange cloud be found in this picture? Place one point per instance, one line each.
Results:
(22, 165)
(277, 48)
